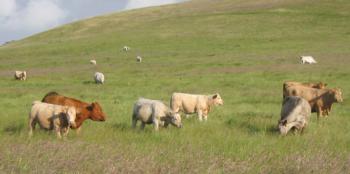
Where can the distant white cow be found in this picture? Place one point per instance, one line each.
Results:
(51, 117)
(139, 59)
(93, 62)
(154, 112)
(99, 78)
(193, 103)
(20, 75)
(126, 48)
(295, 114)
(307, 60)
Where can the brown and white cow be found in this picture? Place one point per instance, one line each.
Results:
(320, 100)
(193, 103)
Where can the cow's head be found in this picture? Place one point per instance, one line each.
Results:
(282, 126)
(217, 100)
(96, 112)
(71, 116)
(321, 85)
(337, 95)
(175, 119)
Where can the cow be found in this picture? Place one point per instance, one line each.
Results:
(99, 78)
(307, 60)
(295, 114)
(84, 110)
(319, 85)
(320, 100)
(154, 112)
(93, 62)
(126, 48)
(138, 59)
(20, 75)
(51, 117)
(193, 103)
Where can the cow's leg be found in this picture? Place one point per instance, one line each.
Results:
(78, 130)
(65, 131)
(200, 115)
(31, 123)
(134, 122)
(205, 117)
(58, 131)
(156, 124)
(319, 112)
(142, 125)
(166, 124)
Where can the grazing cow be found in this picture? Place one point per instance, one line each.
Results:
(154, 112)
(93, 62)
(307, 60)
(320, 100)
(191, 103)
(126, 48)
(139, 59)
(84, 110)
(52, 117)
(319, 85)
(295, 114)
(20, 75)
(99, 78)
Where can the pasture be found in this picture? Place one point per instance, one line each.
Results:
(243, 50)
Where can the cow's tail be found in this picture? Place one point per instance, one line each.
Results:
(49, 94)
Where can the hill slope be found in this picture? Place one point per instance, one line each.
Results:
(242, 49)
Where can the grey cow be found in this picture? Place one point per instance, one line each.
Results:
(154, 112)
(295, 114)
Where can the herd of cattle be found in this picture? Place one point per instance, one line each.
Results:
(60, 113)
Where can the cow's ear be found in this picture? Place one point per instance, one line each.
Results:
(90, 107)
(215, 96)
(284, 122)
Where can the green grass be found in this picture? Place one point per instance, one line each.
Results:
(244, 50)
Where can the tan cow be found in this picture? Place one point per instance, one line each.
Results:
(319, 85)
(320, 100)
(20, 75)
(51, 117)
(193, 103)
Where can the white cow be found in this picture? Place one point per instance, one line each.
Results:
(126, 48)
(154, 112)
(307, 60)
(93, 62)
(139, 59)
(99, 78)
(295, 114)
(20, 75)
(193, 103)
(51, 117)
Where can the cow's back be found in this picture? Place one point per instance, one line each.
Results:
(55, 98)
(183, 101)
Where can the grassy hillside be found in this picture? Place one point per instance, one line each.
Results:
(243, 49)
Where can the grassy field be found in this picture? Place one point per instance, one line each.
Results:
(242, 49)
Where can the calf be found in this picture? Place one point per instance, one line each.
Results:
(51, 117)
(193, 103)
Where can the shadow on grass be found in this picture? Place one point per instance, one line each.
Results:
(86, 82)
(122, 126)
(14, 129)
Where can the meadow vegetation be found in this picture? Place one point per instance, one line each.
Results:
(242, 49)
